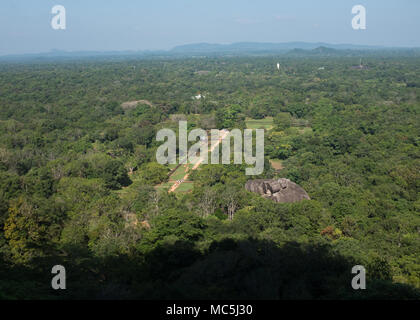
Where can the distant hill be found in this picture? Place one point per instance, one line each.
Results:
(214, 49)
(262, 47)
(327, 52)
(288, 48)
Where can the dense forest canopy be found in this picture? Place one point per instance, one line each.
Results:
(80, 185)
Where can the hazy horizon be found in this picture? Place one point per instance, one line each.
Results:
(25, 26)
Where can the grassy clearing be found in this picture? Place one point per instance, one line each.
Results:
(266, 123)
(180, 172)
(185, 187)
(172, 166)
(164, 186)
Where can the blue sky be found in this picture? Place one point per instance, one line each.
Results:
(161, 24)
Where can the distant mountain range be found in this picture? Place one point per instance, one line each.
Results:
(249, 47)
(233, 49)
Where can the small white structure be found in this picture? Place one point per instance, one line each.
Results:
(278, 66)
(199, 96)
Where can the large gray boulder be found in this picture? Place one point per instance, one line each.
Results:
(280, 190)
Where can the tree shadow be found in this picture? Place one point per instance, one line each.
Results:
(229, 269)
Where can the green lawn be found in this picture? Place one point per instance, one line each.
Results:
(266, 123)
(179, 173)
(172, 166)
(185, 187)
(164, 186)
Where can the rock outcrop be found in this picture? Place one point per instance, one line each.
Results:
(281, 190)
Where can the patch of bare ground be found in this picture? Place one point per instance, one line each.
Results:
(178, 117)
(132, 104)
(202, 72)
(276, 164)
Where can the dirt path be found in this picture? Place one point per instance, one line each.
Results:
(178, 183)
